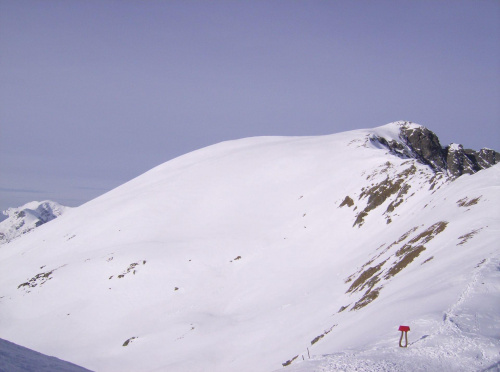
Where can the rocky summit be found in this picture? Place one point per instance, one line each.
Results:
(416, 141)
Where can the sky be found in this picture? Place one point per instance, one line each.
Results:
(94, 93)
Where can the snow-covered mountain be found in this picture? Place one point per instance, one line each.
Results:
(251, 255)
(24, 219)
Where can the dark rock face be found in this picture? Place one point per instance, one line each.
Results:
(459, 162)
(422, 144)
(425, 146)
(486, 157)
(470, 161)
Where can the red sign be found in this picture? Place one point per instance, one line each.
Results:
(404, 328)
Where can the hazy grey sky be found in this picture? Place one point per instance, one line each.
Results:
(94, 93)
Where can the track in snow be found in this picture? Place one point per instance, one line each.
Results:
(464, 340)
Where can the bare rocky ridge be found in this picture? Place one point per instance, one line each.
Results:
(422, 144)
(421, 147)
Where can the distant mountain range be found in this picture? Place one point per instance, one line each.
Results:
(271, 252)
(24, 219)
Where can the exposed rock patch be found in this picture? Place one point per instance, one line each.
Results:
(132, 268)
(395, 258)
(367, 298)
(129, 341)
(38, 280)
(288, 362)
(347, 201)
(466, 237)
(317, 338)
(382, 191)
(466, 202)
(364, 277)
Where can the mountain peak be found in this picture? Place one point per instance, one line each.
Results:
(409, 140)
(27, 217)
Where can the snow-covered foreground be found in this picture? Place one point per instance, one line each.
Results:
(15, 358)
(249, 254)
(465, 339)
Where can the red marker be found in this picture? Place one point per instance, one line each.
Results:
(404, 330)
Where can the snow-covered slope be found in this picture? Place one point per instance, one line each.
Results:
(449, 295)
(252, 254)
(24, 219)
(15, 358)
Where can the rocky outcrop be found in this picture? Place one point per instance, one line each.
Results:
(459, 162)
(485, 158)
(424, 145)
(418, 142)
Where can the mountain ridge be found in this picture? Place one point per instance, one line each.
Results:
(239, 255)
(419, 142)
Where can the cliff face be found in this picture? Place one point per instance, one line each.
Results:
(422, 144)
